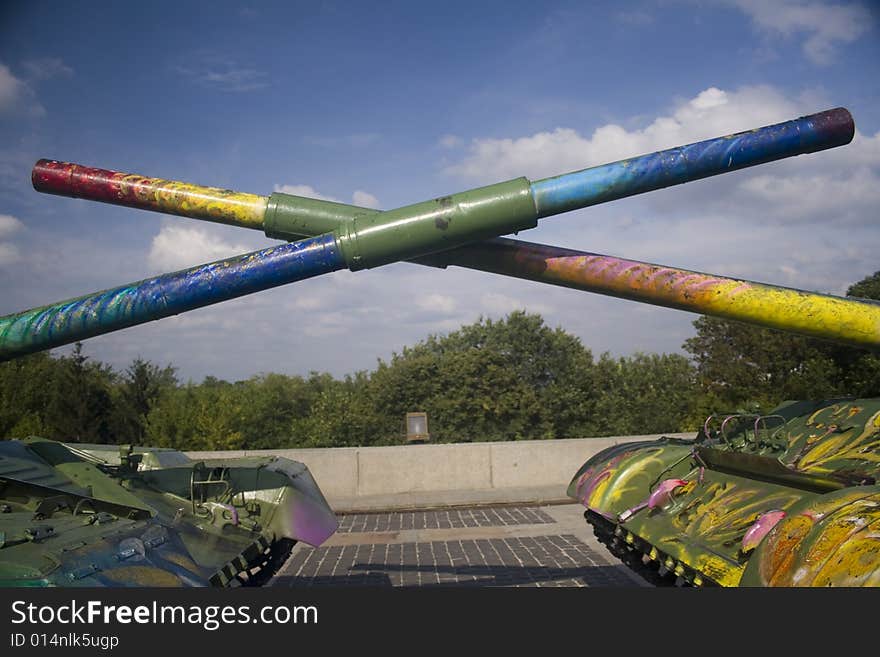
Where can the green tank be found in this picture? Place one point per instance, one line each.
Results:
(99, 515)
(784, 499)
(753, 500)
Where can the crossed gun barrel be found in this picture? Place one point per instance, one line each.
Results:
(451, 230)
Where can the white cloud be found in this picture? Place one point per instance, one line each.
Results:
(496, 303)
(9, 252)
(47, 68)
(711, 97)
(16, 97)
(9, 225)
(450, 141)
(345, 142)
(179, 247)
(365, 199)
(710, 113)
(304, 190)
(359, 197)
(839, 186)
(328, 323)
(11, 88)
(217, 71)
(821, 25)
(309, 302)
(838, 198)
(636, 17)
(439, 303)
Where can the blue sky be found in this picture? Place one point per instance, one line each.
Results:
(386, 104)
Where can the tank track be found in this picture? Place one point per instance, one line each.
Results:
(256, 565)
(643, 558)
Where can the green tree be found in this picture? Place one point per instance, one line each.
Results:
(79, 407)
(342, 415)
(743, 366)
(197, 418)
(273, 407)
(644, 393)
(867, 288)
(860, 368)
(492, 380)
(746, 366)
(171, 421)
(138, 391)
(26, 386)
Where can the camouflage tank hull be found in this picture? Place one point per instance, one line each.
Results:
(87, 515)
(787, 499)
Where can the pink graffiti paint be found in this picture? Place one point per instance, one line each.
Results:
(761, 527)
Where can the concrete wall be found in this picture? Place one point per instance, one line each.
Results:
(356, 478)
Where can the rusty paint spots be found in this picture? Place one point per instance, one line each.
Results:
(834, 540)
(777, 571)
(855, 563)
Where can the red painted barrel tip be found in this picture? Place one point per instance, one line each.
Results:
(837, 121)
(47, 176)
(76, 180)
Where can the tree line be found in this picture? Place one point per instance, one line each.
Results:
(510, 379)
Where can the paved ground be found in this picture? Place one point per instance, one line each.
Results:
(493, 546)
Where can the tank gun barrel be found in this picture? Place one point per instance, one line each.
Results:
(368, 240)
(570, 191)
(162, 296)
(842, 320)
(359, 238)
(850, 321)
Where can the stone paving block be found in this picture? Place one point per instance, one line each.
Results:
(509, 546)
(530, 561)
(445, 519)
